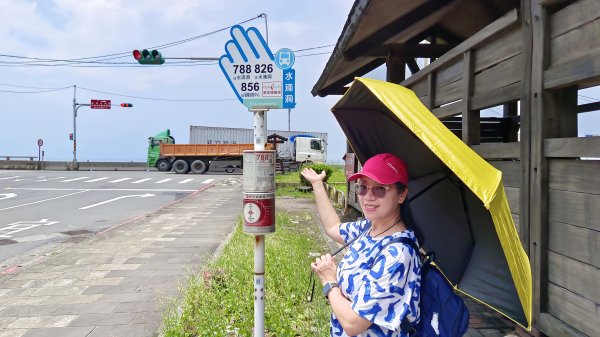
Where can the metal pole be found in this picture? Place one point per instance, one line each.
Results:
(289, 114)
(74, 164)
(260, 137)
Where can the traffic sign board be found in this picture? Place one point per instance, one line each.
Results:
(259, 79)
(40, 142)
(100, 104)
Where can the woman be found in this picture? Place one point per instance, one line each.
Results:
(377, 283)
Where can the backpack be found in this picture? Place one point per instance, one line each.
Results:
(443, 312)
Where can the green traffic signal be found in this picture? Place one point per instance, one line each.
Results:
(148, 57)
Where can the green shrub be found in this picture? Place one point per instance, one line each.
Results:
(318, 168)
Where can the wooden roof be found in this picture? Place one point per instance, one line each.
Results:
(376, 29)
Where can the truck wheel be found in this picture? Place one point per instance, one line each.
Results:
(163, 165)
(180, 166)
(198, 166)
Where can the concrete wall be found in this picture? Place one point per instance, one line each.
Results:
(66, 165)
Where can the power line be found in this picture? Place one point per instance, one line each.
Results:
(160, 99)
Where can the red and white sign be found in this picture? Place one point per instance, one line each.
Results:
(40, 142)
(100, 104)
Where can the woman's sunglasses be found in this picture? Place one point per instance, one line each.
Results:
(378, 191)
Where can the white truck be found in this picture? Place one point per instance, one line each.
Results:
(221, 149)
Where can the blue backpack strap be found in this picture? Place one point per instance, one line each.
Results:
(405, 325)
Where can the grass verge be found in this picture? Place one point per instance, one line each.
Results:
(218, 301)
(337, 179)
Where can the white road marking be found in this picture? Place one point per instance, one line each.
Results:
(163, 181)
(119, 180)
(7, 195)
(13, 177)
(185, 181)
(118, 198)
(140, 181)
(20, 226)
(40, 201)
(103, 189)
(94, 180)
(208, 181)
(47, 179)
(73, 179)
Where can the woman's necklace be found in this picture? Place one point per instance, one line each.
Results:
(387, 229)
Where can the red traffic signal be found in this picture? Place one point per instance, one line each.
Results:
(137, 55)
(126, 105)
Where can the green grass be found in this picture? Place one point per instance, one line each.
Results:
(219, 300)
(337, 179)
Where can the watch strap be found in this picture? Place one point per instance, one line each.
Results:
(328, 287)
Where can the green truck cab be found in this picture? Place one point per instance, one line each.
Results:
(154, 150)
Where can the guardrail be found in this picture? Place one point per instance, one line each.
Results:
(31, 158)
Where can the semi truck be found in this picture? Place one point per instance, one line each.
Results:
(223, 148)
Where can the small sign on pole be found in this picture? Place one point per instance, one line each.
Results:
(100, 104)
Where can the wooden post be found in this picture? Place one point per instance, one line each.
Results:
(470, 118)
(511, 109)
(396, 69)
(430, 102)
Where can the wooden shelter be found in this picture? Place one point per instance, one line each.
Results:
(527, 58)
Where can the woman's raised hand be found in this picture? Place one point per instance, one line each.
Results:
(312, 176)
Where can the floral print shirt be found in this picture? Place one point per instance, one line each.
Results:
(381, 279)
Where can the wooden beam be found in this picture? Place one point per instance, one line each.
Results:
(379, 37)
(490, 30)
(409, 50)
(445, 35)
(588, 107)
(430, 102)
(396, 69)
(497, 96)
(573, 147)
(471, 128)
(498, 151)
(448, 110)
(511, 109)
(335, 86)
(538, 184)
(585, 69)
(413, 66)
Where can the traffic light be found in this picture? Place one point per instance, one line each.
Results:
(70, 136)
(126, 105)
(148, 57)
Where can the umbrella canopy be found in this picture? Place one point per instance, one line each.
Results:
(456, 199)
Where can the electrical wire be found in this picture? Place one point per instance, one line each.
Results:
(159, 99)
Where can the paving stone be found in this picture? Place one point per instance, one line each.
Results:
(28, 310)
(52, 291)
(73, 299)
(87, 308)
(61, 332)
(111, 289)
(104, 319)
(136, 307)
(122, 298)
(5, 321)
(42, 322)
(10, 301)
(139, 330)
(38, 276)
(102, 281)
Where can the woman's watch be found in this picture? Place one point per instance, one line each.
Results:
(327, 287)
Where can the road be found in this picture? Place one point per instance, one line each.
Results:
(41, 207)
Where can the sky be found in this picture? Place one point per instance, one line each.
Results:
(74, 29)
(173, 95)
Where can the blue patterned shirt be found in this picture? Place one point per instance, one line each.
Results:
(383, 285)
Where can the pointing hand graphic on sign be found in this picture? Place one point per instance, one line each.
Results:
(250, 68)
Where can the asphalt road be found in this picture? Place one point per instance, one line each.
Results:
(42, 207)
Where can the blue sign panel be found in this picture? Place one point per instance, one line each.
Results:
(259, 79)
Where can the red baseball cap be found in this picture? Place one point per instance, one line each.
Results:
(384, 168)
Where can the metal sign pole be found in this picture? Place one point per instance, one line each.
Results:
(260, 137)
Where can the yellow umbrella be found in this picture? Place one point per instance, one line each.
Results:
(456, 199)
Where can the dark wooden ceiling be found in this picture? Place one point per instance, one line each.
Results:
(376, 29)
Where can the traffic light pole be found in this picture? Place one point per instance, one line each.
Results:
(76, 106)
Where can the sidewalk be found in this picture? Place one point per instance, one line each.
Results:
(111, 284)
